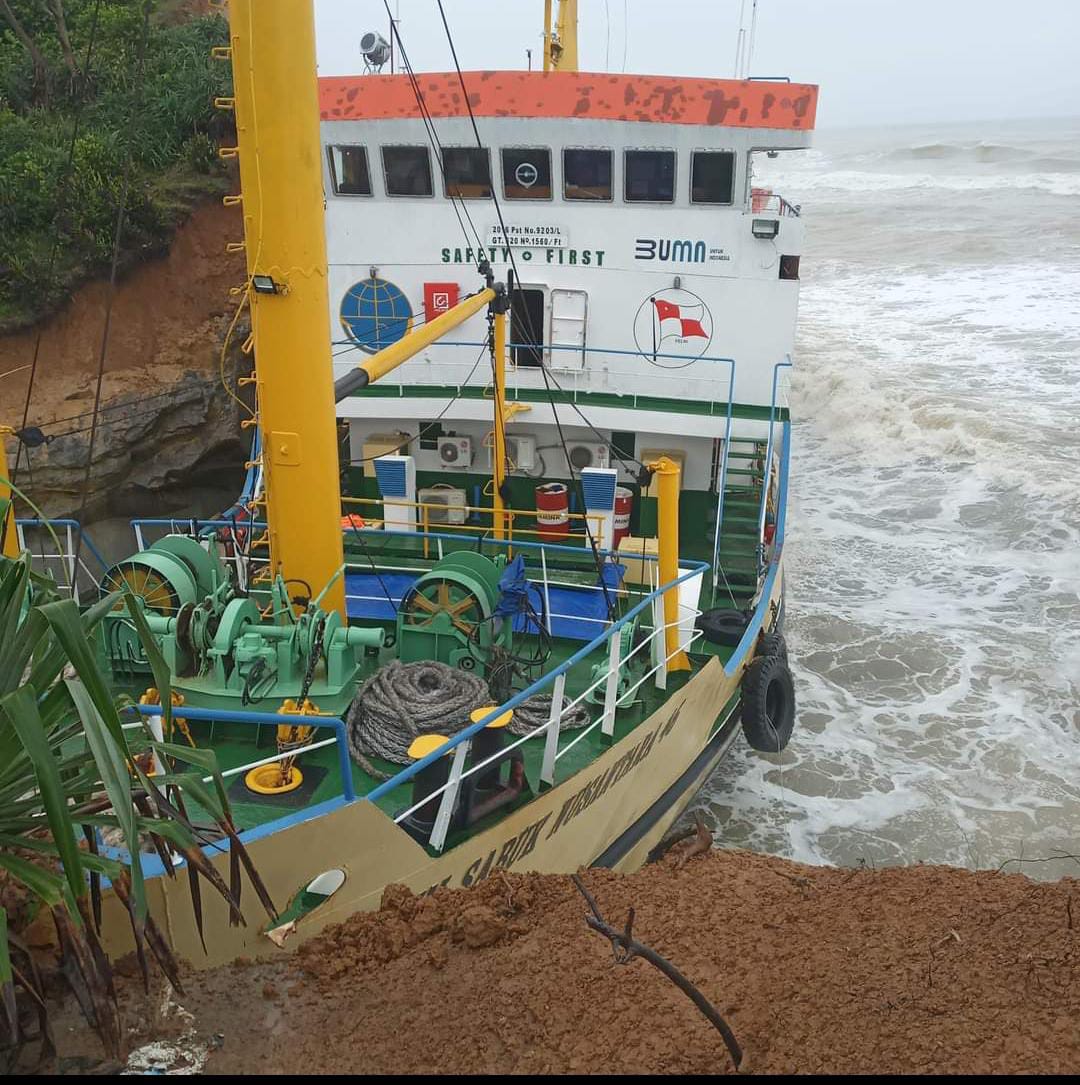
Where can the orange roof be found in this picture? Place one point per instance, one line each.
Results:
(655, 99)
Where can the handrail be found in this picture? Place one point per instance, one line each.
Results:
(33, 521)
(786, 364)
(753, 627)
(265, 719)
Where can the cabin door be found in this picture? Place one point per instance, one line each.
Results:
(569, 315)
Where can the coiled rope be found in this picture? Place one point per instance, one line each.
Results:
(403, 700)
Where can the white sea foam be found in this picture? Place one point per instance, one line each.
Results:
(934, 534)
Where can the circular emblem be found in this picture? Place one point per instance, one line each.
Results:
(673, 328)
(526, 175)
(375, 313)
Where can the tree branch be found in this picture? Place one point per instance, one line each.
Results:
(626, 949)
(41, 65)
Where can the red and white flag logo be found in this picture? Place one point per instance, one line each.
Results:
(682, 321)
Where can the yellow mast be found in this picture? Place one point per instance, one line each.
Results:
(9, 542)
(560, 47)
(277, 122)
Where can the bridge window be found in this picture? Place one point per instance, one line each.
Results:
(650, 177)
(712, 177)
(407, 170)
(527, 173)
(349, 171)
(586, 174)
(467, 172)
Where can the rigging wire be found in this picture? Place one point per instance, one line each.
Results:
(121, 216)
(63, 193)
(513, 266)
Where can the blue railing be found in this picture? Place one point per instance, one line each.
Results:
(266, 719)
(762, 608)
(66, 523)
(773, 407)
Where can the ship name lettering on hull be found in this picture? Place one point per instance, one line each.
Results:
(518, 847)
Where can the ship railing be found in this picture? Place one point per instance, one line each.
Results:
(524, 379)
(430, 514)
(775, 409)
(153, 714)
(779, 391)
(555, 681)
(773, 203)
(55, 544)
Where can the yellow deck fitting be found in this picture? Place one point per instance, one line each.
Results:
(266, 780)
(422, 745)
(478, 714)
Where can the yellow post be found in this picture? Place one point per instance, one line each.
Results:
(547, 35)
(9, 539)
(566, 30)
(667, 474)
(277, 118)
(498, 450)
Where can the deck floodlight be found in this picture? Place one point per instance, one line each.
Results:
(375, 50)
(264, 284)
(765, 229)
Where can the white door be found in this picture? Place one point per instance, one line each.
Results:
(569, 314)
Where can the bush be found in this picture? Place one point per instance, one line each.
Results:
(165, 127)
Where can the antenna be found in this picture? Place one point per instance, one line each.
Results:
(744, 40)
(375, 50)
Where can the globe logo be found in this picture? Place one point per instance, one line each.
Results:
(375, 313)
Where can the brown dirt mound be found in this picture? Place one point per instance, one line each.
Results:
(918, 969)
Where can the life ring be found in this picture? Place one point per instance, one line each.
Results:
(768, 702)
(353, 522)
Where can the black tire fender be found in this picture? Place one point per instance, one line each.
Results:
(725, 627)
(768, 703)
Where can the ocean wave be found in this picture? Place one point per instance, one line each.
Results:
(974, 152)
(1052, 183)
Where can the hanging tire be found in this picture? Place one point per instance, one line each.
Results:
(768, 703)
(724, 626)
(774, 644)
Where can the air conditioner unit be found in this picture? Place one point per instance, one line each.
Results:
(587, 454)
(384, 444)
(520, 451)
(455, 451)
(451, 500)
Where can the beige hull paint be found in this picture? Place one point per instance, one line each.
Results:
(560, 831)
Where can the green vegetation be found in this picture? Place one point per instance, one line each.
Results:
(70, 772)
(168, 127)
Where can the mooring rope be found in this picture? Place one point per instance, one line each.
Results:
(403, 700)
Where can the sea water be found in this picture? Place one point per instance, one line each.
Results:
(933, 534)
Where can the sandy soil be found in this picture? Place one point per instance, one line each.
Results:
(167, 312)
(817, 970)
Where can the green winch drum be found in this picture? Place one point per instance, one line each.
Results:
(447, 615)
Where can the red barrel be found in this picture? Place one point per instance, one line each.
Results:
(552, 510)
(624, 505)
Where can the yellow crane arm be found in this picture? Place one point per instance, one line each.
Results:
(389, 358)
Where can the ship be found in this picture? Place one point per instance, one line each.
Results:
(505, 581)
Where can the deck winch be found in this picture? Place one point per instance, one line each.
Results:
(220, 647)
(449, 613)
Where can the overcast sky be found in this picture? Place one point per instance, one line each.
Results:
(891, 61)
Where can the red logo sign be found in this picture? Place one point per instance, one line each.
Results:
(439, 298)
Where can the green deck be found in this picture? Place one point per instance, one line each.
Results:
(239, 744)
